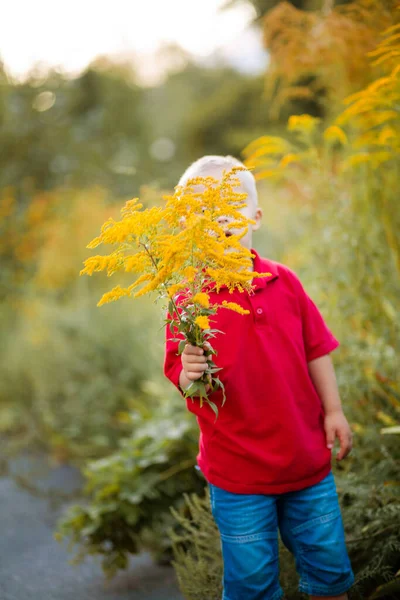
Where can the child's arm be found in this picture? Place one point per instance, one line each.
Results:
(323, 376)
(319, 341)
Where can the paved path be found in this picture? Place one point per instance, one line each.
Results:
(33, 566)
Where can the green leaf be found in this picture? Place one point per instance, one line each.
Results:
(215, 384)
(212, 350)
(223, 391)
(214, 408)
(208, 311)
(184, 327)
(192, 389)
(202, 389)
(181, 346)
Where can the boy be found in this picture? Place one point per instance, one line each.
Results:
(267, 458)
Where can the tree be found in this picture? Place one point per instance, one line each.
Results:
(75, 132)
(263, 6)
(320, 56)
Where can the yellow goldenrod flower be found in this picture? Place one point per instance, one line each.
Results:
(235, 307)
(288, 159)
(189, 273)
(335, 134)
(114, 294)
(386, 134)
(202, 299)
(203, 322)
(92, 264)
(174, 289)
(267, 144)
(130, 207)
(303, 123)
(358, 159)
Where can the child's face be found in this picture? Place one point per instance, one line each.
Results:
(250, 211)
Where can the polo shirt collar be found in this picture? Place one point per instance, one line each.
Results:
(260, 265)
(263, 266)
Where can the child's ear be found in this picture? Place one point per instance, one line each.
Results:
(257, 218)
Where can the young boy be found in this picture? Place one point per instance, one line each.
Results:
(267, 458)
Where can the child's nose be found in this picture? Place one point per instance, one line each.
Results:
(223, 220)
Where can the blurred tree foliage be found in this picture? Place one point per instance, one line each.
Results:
(319, 56)
(99, 128)
(74, 132)
(200, 115)
(263, 6)
(231, 114)
(67, 369)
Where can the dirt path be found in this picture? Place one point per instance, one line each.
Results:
(33, 566)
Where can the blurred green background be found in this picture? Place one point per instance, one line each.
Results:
(84, 384)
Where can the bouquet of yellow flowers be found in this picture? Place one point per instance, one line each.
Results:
(180, 251)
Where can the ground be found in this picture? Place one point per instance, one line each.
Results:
(33, 566)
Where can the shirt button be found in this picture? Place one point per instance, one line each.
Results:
(259, 311)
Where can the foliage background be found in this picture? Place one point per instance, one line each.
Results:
(85, 384)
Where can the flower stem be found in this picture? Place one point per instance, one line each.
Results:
(156, 268)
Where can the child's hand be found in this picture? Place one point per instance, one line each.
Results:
(194, 362)
(336, 426)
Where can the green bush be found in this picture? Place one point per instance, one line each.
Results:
(196, 549)
(69, 371)
(130, 492)
(371, 515)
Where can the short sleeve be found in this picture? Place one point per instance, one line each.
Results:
(318, 339)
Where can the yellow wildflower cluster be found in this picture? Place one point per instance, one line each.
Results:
(371, 115)
(331, 43)
(203, 322)
(304, 124)
(270, 156)
(189, 273)
(114, 294)
(180, 241)
(335, 134)
(372, 111)
(202, 299)
(235, 307)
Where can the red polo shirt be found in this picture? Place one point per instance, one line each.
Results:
(269, 436)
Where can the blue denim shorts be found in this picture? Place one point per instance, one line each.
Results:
(311, 527)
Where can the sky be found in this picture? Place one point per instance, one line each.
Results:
(69, 35)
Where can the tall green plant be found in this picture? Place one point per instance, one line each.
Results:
(371, 515)
(341, 181)
(129, 493)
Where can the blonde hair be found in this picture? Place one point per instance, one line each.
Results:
(215, 165)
